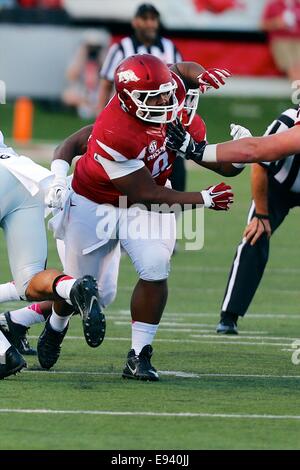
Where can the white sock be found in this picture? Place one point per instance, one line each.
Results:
(58, 323)
(4, 345)
(142, 334)
(64, 286)
(8, 292)
(27, 316)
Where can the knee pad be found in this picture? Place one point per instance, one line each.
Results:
(154, 265)
(24, 276)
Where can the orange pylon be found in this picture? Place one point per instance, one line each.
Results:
(23, 120)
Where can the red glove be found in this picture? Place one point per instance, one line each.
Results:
(212, 78)
(218, 197)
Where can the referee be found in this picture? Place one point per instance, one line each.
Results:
(144, 40)
(275, 190)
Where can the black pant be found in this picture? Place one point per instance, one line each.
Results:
(178, 176)
(250, 261)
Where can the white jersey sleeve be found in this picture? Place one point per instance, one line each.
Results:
(116, 169)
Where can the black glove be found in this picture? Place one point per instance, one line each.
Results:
(181, 142)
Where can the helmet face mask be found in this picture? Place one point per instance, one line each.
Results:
(159, 114)
(140, 80)
(190, 105)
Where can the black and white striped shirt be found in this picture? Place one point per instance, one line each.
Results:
(163, 48)
(285, 171)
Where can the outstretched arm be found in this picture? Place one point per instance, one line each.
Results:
(75, 144)
(257, 149)
(140, 187)
(246, 150)
(195, 76)
(188, 72)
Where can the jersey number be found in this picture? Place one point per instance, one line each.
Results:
(160, 164)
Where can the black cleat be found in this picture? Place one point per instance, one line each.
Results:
(48, 347)
(228, 324)
(85, 299)
(139, 367)
(16, 334)
(11, 363)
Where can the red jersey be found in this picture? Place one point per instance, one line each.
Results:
(119, 136)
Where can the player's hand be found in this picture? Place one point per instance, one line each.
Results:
(239, 132)
(181, 142)
(218, 197)
(57, 192)
(212, 78)
(255, 229)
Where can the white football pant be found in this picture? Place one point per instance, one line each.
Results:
(22, 220)
(94, 233)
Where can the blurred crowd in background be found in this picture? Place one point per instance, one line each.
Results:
(32, 3)
(270, 42)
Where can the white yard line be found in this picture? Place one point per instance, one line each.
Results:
(188, 341)
(181, 315)
(173, 373)
(178, 326)
(215, 314)
(243, 343)
(211, 290)
(76, 338)
(149, 414)
(164, 327)
(243, 336)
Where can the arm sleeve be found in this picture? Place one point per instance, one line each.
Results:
(119, 169)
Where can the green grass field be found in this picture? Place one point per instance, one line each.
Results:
(215, 392)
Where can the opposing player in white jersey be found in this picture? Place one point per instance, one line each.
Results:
(22, 220)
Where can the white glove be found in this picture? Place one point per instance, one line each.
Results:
(57, 192)
(239, 132)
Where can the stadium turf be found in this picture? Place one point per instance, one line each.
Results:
(215, 392)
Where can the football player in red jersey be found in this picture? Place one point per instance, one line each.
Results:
(108, 276)
(126, 155)
(17, 322)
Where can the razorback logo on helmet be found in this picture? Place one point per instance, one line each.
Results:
(127, 76)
